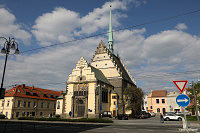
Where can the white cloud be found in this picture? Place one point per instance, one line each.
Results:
(167, 51)
(8, 27)
(181, 26)
(63, 25)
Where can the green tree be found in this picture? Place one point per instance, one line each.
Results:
(191, 94)
(133, 100)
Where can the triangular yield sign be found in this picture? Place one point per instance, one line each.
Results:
(180, 85)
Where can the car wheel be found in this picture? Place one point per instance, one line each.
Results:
(179, 119)
(167, 119)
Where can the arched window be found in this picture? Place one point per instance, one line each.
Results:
(158, 110)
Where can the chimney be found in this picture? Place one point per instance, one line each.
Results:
(33, 87)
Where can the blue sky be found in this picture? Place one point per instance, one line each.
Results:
(169, 46)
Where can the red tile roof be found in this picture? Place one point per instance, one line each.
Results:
(159, 93)
(32, 92)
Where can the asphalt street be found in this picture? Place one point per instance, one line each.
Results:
(151, 125)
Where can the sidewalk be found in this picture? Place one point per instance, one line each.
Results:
(194, 124)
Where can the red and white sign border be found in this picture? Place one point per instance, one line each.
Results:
(181, 89)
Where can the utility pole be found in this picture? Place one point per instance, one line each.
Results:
(195, 101)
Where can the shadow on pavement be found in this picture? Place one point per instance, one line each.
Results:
(35, 127)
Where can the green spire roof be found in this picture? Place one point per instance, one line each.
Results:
(110, 34)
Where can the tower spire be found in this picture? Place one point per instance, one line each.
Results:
(110, 34)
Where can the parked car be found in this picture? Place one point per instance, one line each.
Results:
(106, 114)
(172, 116)
(152, 114)
(182, 113)
(122, 117)
(145, 114)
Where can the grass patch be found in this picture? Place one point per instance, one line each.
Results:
(94, 120)
(192, 118)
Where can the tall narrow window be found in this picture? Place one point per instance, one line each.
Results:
(163, 100)
(18, 104)
(8, 103)
(158, 110)
(29, 104)
(24, 104)
(2, 103)
(42, 104)
(48, 105)
(157, 100)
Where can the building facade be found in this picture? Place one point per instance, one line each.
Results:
(159, 101)
(96, 87)
(22, 100)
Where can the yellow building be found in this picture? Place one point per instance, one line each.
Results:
(27, 101)
(97, 87)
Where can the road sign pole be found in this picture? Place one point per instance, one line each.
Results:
(185, 125)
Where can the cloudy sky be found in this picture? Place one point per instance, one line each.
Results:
(155, 53)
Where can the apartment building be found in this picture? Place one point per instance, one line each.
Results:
(159, 101)
(28, 101)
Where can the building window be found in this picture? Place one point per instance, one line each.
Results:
(105, 96)
(157, 100)
(158, 110)
(6, 114)
(96, 65)
(2, 104)
(24, 104)
(17, 114)
(146, 108)
(8, 103)
(42, 104)
(163, 110)
(23, 113)
(163, 100)
(151, 107)
(27, 113)
(105, 64)
(54, 106)
(40, 113)
(18, 104)
(29, 104)
(114, 97)
(145, 102)
(58, 105)
(34, 105)
(114, 103)
(48, 105)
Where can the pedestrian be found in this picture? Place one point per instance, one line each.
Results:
(161, 118)
(70, 113)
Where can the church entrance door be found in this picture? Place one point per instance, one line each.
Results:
(81, 110)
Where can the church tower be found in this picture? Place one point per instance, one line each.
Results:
(113, 68)
(110, 34)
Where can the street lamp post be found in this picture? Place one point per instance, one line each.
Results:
(9, 44)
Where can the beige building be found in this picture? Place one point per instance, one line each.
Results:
(159, 101)
(96, 87)
(27, 101)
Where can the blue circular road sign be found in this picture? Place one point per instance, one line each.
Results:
(183, 100)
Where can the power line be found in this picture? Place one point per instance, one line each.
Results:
(153, 76)
(129, 27)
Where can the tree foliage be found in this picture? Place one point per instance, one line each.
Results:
(191, 95)
(133, 99)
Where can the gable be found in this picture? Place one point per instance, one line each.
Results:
(110, 64)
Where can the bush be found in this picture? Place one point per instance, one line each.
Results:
(94, 120)
(2, 116)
